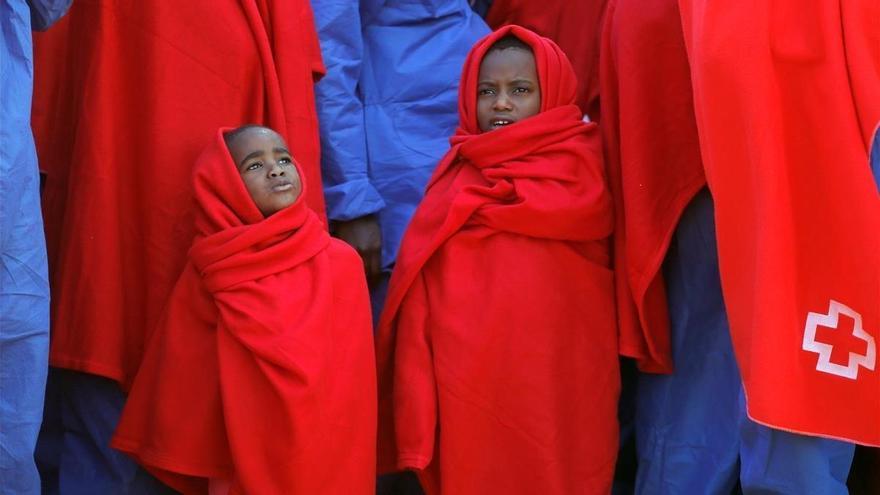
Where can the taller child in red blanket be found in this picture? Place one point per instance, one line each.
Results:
(498, 348)
(260, 378)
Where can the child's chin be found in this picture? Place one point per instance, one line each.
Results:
(288, 202)
(282, 204)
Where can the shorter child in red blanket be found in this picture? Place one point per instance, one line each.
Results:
(497, 350)
(260, 376)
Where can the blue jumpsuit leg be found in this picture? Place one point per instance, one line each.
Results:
(693, 434)
(90, 409)
(687, 422)
(51, 439)
(779, 462)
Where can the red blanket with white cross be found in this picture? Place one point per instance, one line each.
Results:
(787, 99)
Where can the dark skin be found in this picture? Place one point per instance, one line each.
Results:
(364, 235)
(507, 88)
(266, 168)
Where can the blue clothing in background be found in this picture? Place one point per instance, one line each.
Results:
(44, 13)
(74, 453)
(875, 156)
(481, 7)
(389, 103)
(692, 431)
(24, 286)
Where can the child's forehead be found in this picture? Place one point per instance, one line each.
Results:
(254, 138)
(510, 58)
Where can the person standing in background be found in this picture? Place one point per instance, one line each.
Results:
(796, 206)
(386, 108)
(699, 429)
(24, 281)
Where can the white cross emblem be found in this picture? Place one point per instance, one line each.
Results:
(824, 364)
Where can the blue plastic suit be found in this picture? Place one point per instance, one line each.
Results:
(692, 432)
(24, 286)
(389, 103)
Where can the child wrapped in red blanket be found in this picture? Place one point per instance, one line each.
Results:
(260, 377)
(497, 350)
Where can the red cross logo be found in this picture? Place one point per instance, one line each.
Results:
(825, 350)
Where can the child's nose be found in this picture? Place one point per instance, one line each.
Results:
(276, 170)
(502, 102)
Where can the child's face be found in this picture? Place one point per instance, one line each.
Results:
(266, 168)
(507, 88)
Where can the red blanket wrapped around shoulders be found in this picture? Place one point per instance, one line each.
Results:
(262, 370)
(497, 350)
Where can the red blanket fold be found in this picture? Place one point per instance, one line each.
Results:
(573, 24)
(497, 347)
(653, 154)
(786, 100)
(126, 93)
(262, 370)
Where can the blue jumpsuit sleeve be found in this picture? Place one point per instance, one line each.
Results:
(348, 190)
(44, 13)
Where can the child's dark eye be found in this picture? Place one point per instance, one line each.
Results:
(521, 90)
(485, 91)
(254, 166)
(284, 161)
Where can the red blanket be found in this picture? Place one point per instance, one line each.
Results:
(497, 348)
(573, 24)
(262, 370)
(653, 155)
(126, 94)
(787, 100)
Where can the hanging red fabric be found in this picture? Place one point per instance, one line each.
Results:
(262, 369)
(126, 94)
(497, 348)
(653, 154)
(787, 100)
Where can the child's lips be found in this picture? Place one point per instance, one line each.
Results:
(283, 186)
(501, 122)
